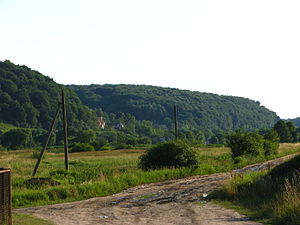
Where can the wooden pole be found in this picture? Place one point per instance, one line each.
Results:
(10, 222)
(5, 197)
(47, 140)
(65, 130)
(176, 122)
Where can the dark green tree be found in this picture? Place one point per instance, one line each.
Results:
(293, 131)
(286, 131)
(17, 139)
(272, 135)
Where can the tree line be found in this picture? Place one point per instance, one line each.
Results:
(139, 133)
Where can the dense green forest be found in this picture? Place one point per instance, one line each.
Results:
(195, 110)
(29, 99)
(134, 114)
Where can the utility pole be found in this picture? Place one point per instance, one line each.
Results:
(175, 123)
(65, 129)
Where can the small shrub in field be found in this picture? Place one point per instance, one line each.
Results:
(82, 147)
(169, 154)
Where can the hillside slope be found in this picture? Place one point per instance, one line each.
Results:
(30, 99)
(196, 110)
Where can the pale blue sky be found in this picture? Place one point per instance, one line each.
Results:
(233, 47)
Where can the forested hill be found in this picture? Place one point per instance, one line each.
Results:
(195, 110)
(295, 121)
(29, 99)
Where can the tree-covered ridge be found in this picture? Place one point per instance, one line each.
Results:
(29, 99)
(203, 111)
(295, 121)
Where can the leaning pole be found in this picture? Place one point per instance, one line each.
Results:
(61, 106)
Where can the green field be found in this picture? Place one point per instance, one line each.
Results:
(103, 173)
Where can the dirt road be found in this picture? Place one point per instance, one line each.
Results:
(179, 202)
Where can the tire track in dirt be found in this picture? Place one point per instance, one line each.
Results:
(181, 201)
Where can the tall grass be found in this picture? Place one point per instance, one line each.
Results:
(272, 196)
(101, 173)
(286, 209)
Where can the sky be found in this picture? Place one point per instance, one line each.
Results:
(247, 48)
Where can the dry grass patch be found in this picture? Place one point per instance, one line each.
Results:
(284, 147)
(213, 151)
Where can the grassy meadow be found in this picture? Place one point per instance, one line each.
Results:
(102, 173)
(271, 197)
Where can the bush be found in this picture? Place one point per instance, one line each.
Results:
(271, 147)
(82, 147)
(252, 144)
(245, 144)
(271, 143)
(169, 154)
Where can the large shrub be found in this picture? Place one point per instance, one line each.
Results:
(253, 144)
(271, 147)
(286, 130)
(17, 139)
(169, 154)
(245, 144)
(271, 143)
